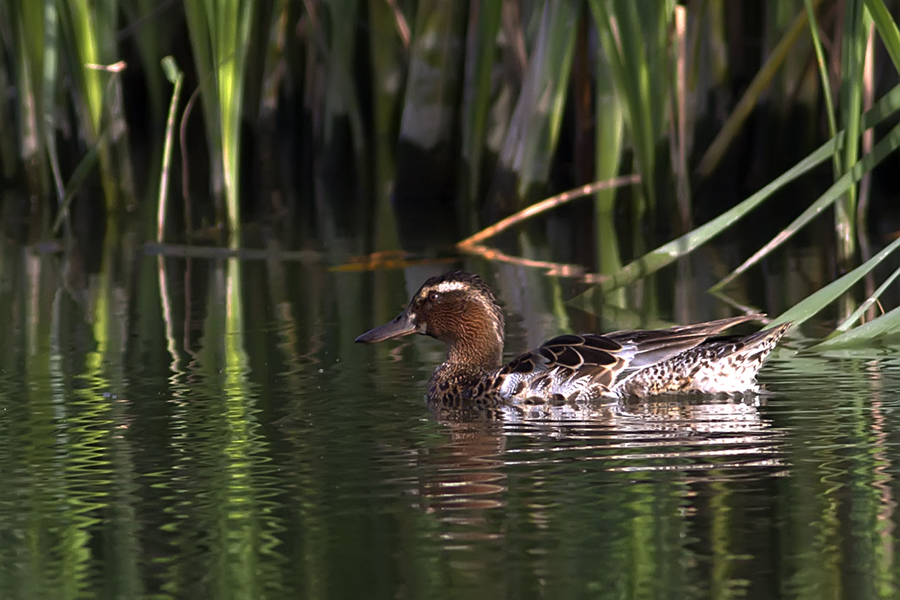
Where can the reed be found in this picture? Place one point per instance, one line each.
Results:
(609, 110)
(818, 300)
(761, 82)
(636, 44)
(30, 34)
(220, 35)
(533, 130)
(853, 44)
(480, 67)
(666, 254)
(176, 77)
(89, 30)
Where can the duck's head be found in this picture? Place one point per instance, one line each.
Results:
(457, 308)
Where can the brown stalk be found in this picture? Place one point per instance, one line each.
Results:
(545, 205)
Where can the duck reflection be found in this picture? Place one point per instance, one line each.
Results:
(702, 437)
(674, 412)
(465, 471)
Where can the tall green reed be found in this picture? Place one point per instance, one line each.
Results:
(609, 119)
(533, 131)
(478, 89)
(852, 57)
(220, 32)
(89, 32)
(31, 33)
(885, 109)
(636, 42)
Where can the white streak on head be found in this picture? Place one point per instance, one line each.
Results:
(449, 286)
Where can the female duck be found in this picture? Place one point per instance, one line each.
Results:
(461, 310)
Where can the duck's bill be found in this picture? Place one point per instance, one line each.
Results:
(400, 326)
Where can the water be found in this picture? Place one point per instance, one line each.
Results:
(176, 428)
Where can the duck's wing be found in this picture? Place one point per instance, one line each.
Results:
(644, 348)
(568, 366)
(580, 367)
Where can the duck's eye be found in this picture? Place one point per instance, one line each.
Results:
(434, 297)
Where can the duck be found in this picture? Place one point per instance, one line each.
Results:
(461, 310)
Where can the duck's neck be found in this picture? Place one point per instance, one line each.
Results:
(468, 370)
(484, 356)
(479, 340)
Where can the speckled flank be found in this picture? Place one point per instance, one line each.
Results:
(729, 365)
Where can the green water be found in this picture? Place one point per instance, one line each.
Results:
(176, 428)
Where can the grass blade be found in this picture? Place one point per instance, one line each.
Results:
(30, 32)
(853, 49)
(535, 125)
(636, 42)
(220, 36)
(608, 127)
(741, 112)
(818, 300)
(89, 32)
(887, 145)
(887, 29)
(858, 313)
(668, 253)
(687, 243)
(823, 72)
(875, 331)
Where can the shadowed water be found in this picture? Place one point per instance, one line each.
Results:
(177, 428)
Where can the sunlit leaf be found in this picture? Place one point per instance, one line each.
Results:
(849, 321)
(884, 329)
(882, 149)
(818, 300)
(887, 29)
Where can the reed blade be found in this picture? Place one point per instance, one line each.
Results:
(869, 303)
(481, 50)
(853, 46)
(875, 332)
(176, 77)
(609, 123)
(887, 29)
(832, 195)
(818, 300)
(89, 34)
(635, 39)
(534, 129)
(687, 243)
